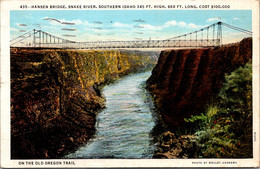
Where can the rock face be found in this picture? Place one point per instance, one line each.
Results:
(55, 95)
(171, 147)
(183, 81)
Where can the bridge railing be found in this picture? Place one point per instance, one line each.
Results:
(134, 44)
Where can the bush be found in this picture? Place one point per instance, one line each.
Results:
(225, 129)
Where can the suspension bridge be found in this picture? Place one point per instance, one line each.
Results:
(209, 36)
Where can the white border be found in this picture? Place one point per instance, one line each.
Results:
(6, 6)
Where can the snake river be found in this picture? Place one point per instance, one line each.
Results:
(123, 128)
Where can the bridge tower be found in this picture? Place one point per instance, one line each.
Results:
(219, 33)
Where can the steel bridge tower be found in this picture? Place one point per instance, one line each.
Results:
(219, 33)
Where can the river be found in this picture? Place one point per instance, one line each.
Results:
(124, 126)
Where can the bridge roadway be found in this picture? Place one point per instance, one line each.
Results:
(133, 44)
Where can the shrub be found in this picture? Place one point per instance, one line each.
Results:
(225, 129)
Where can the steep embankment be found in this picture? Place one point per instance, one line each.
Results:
(183, 81)
(55, 96)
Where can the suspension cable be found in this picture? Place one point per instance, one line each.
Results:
(36, 31)
(213, 25)
(21, 36)
(238, 29)
(191, 32)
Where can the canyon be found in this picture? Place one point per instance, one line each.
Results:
(56, 95)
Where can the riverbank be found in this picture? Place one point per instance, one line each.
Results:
(55, 96)
(124, 126)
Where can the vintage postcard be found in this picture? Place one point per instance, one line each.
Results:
(129, 83)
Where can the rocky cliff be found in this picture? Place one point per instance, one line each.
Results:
(55, 96)
(184, 81)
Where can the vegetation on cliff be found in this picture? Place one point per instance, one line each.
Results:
(225, 129)
(55, 95)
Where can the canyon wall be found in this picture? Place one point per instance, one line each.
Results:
(184, 81)
(55, 96)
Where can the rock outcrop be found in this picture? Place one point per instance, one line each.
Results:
(55, 96)
(184, 81)
(169, 146)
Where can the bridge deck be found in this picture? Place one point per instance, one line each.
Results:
(131, 44)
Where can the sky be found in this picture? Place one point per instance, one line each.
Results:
(103, 25)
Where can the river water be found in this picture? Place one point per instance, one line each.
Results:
(124, 127)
